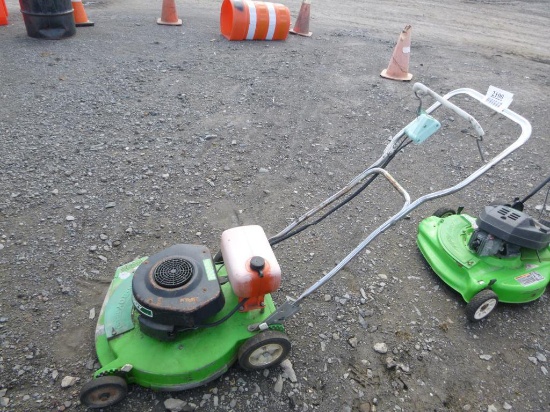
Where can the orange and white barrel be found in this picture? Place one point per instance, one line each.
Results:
(254, 20)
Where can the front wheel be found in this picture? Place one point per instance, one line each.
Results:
(481, 305)
(264, 350)
(103, 392)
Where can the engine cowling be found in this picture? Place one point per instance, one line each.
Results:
(176, 289)
(503, 231)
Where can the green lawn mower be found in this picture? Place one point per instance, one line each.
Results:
(502, 256)
(181, 317)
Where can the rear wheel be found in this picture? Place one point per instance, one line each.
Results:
(103, 392)
(264, 350)
(481, 305)
(444, 212)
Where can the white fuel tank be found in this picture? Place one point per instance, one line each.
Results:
(250, 262)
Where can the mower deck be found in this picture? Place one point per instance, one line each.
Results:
(193, 358)
(444, 244)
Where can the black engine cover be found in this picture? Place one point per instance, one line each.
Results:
(177, 287)
(514, 227)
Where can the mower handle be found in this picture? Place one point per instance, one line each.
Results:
(535, 190)
(291, 306)
(419, 88)
(391, 148)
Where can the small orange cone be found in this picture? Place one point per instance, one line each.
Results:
(169, 15)
(301, 26)
(398, 68)
(3, 13)
(80, 16)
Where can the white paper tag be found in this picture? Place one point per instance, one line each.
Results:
(406, 50)
(498, 98)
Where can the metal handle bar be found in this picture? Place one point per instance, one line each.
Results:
(419, 88)
(291, 306)
(358, 249)
(388, 151)
(526, 130)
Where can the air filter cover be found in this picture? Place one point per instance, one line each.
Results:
(178, 286)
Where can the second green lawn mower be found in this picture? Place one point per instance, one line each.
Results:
(501, 256)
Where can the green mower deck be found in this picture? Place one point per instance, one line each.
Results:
(444, 244)
(194, 358)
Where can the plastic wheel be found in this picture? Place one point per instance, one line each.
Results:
(481, 305)
(264, 350)
(103, 392)
(444, 212)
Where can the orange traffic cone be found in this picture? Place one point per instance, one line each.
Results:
(398, 68)
(301, 26)
(80, 16)
(3, 13)
(169, 15)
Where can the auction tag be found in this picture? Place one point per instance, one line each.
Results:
(498, 99)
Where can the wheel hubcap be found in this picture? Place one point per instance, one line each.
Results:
(103, 396)
(486, 308)
(266, 354)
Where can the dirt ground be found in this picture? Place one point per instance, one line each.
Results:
(130, 137)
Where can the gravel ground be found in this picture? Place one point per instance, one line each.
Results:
(130, 137)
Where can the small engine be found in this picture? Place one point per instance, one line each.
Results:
(176, 289)
(502, 231)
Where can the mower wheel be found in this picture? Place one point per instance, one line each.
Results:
(264, 350)
(481, 305)
(103, 392)
(444, 212)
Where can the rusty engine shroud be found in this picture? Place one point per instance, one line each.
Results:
(176, 289)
